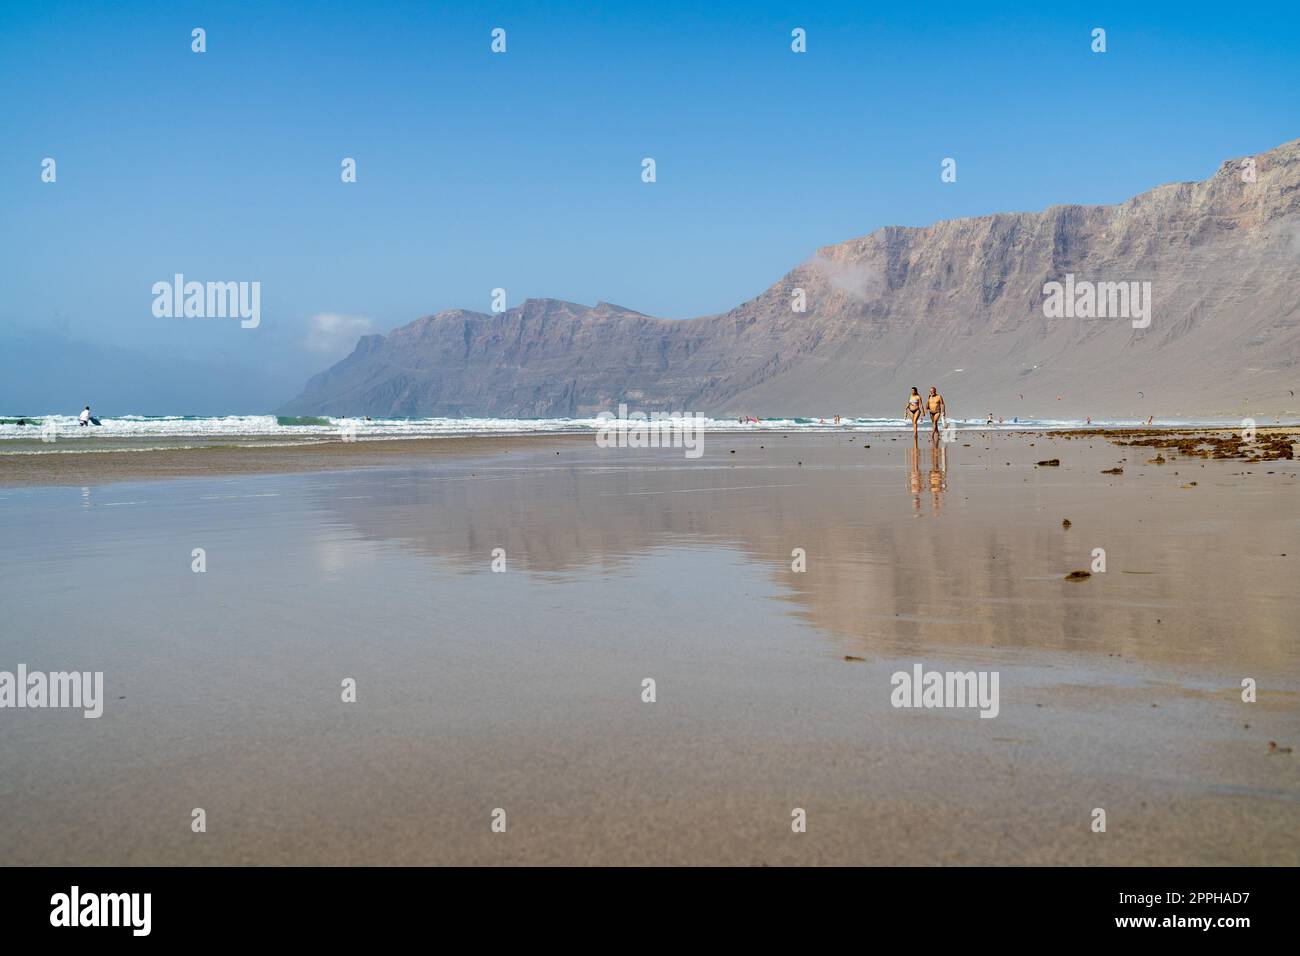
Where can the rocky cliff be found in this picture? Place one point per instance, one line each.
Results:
(958, 304)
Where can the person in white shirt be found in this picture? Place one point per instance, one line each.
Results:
(84, 417)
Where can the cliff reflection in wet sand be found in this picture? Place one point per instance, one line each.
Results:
(943, 545)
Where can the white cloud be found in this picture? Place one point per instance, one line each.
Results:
(329, 333)
(859, 280)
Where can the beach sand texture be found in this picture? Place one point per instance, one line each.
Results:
(523, 690)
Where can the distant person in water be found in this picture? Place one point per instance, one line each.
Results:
(914, 409)
(936, 408)
(84, 418)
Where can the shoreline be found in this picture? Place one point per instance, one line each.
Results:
(149, 463)
(214, 461)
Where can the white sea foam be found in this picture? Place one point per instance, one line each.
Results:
(67, 432)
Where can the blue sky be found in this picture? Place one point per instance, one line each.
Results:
(522, 170)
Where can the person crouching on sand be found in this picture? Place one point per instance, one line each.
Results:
(936, 407)
(914, 409)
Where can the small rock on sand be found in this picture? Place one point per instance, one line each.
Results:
(1078, 575)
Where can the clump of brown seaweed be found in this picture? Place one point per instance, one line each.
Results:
(1264, 446)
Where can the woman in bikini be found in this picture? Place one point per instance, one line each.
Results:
(914, 409)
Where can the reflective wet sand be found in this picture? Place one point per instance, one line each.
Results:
(523, 690)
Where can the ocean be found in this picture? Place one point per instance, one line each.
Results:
(52, 434)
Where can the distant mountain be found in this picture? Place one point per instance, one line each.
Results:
(958, 304)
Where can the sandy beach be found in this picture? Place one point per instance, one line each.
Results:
(522, 690)
(151, 459)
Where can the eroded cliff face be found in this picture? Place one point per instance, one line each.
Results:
(958, 304)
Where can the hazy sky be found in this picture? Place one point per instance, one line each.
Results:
(523, 170)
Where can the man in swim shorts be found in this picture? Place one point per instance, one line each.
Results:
(936, 408)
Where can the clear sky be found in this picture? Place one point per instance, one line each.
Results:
(523, 170)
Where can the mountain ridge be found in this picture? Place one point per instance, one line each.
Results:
(957, 303)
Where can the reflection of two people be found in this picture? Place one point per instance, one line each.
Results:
(936, 465)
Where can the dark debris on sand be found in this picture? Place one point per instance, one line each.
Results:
(1270, 446)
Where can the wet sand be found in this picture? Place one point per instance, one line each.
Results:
(522, 690)
(149, 458)
(30, 462)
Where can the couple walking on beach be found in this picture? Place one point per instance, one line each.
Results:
(933, 404)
